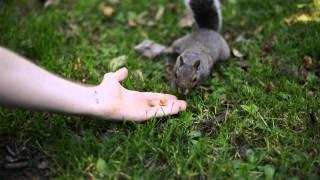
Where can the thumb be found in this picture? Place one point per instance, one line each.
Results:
(121, 74)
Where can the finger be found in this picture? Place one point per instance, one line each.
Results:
(121, 74)
(150, 95)
(173, 107)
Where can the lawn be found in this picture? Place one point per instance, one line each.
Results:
(257, 117)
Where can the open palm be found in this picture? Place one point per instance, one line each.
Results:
(118, 103)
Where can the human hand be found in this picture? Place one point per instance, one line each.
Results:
(117, 103)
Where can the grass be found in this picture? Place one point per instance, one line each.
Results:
(253, 122)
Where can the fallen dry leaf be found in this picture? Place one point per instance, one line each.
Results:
(206, 95)
(274, 37)
(227, 35)
(77, 65)
(137, 74)
(313, 117)
(43, 165)
(71, 29)
(151, 23)
(204, 88)
(268, 46)
(89, 167)
(221, 117)
(307, 62)
(302, 74)
(240, 38)
(186, 20)
(16, 165)
(266, 50)
(132, 23)
(117, 63)
(215, 74)
(310, 93)
(270, 86)
(236, 53)
(108, 11)
(263, 54)
(243, 23)
(172, 6)
(49, 3)
(160, 13)
(316, 70)
(243, 64)
(149, 49)
(290, 70)
(113, 1)
(260, 29)
(205, 91)
(295, 18)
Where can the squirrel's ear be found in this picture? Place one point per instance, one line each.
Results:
(181, 60)
(196, 64)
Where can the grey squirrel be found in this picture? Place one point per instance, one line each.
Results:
(196, 53)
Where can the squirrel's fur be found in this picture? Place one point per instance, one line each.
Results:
(207, 13)
(197, 52)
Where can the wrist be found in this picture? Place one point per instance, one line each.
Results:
(96, 103)
(88, 101)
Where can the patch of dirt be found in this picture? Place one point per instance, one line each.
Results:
(241, 144)
(266, 50)
(19, 160)
(301, 71)
(211, 126)
(313, 118)
(316, 70)
(244, 64)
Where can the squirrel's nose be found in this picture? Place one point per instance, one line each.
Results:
(183, 91)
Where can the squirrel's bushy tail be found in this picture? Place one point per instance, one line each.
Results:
(207, 13)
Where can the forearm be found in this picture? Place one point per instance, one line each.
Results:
(24, 84)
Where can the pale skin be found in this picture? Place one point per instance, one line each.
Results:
(24, 84)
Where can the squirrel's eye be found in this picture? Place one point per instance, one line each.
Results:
(194, 79)
(175, 74)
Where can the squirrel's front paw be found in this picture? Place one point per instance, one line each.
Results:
(173, 83)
